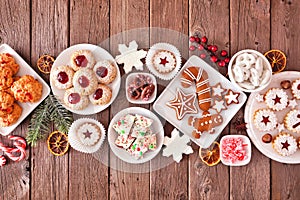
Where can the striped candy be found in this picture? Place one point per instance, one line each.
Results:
(18, 153)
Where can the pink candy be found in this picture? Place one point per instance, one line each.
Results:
(234, 149)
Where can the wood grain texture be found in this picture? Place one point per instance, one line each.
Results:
(250, 28)
(205, 181)
(284, 29)
(89, 24)
(49, 36)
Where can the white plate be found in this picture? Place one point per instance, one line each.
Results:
(25, 69)
(129, 80)
(168, 113)
(99, 53)
(256, 135)
(156, 127)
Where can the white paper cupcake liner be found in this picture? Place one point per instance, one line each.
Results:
(75, 141)
(163, 46)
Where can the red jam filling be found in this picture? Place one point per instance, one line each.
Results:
(83, 81)
(62, 77)
(98, 94)
(81, 61)
(74, 98)
(298, 87)
(102, 72)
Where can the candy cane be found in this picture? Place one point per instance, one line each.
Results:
(2, 161)
(20, 144)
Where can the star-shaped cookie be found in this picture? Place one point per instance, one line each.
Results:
(217, 90)
(219, 105)
(232, 97)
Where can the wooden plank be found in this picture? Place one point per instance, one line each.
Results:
(175, 32)
(49, 36)
(127, 180)
(284, 26)
(15, 31)
(209, 182)
(88, 176)
(250, 28)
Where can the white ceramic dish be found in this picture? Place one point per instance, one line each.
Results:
(130, 78)
(168, 113)
(246, 141)
(256, 135)
(25, 69)
(156, 128)
(232, 61)
(99, 54)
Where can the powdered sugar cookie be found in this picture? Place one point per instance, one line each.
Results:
(164, 61)
(276, 99)
(296, 88)
(265, 120)
(285, 144)
(89, 134)
(292, 121)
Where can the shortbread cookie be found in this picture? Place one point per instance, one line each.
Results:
(292, 121)
(265, 120)
(296, 88)
(276, 99)
(285, 144)
(10, 119)
(89, 134)
(85, 81)
(105, 71)
(164, 61)
(62, 77)
(74, 100)
(82, 59)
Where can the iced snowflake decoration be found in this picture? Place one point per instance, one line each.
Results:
(176, 146)
(130, 56)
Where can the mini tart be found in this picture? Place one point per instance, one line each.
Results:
(82, 59)
(6, 100)
(105, 71)
(89, 134)
(296, 88)
(27, 89)
(10, 119)
(75, 100)
(285, 144)
(85, 81)
(164, 61)
(292, 121)
(276, 99)
(62, 77)
(101, 96)
(265, 119)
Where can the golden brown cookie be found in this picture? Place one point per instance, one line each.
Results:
(27, 89)
(6, 60)
(6, 100)
(6, 111)
(10, 119)
(6, 79)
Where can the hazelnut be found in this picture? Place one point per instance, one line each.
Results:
(286, 84)
(267, 138)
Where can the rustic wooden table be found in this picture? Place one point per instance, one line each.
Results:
(35, 27)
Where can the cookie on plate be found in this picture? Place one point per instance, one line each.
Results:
(89, 134)
(105, 71)
(285, 144)
(265, 119)
(82, 59)
(164, 61)
(276, 99)
(292, 121)
(75, 100)
(11, 118)
(27, 89)
(296, 88)
(101, 95)
(85, 81)
(62, 77)
(8, 60)
(6, 100)
(6, 79)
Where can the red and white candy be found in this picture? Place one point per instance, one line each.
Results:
(234, 149)
(19, 152)
(2, 161)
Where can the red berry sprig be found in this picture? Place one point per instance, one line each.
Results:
(222, 59)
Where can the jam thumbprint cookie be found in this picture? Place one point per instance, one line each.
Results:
(164, 61)
(11, 118)
(82, 59)
(101, 95)
(265, 120)
(105, 71)
(85, 81)
(296, 88)
(75, 100)
(27, 89)
(62, 77)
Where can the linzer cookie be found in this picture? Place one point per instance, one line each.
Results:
(265, 120)
(89, 134)
(296, 88)
(164, 61)
(276, 99)
(292, 121)
(285, 144)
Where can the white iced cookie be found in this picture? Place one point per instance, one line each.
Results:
(89, 134)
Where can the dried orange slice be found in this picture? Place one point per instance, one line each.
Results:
(45, 63)
(58, 143)
(211, 155)
(277, 59)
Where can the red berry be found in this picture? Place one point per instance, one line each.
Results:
(200, 47)
(222, 63)
(192, 48)
(204, 39)
(214, 48)
(214, 59)
(209, 47)
(202, 55)
(192, 39)
(223, 53)
(226, 60)
(197, 39)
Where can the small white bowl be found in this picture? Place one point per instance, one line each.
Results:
(130, 78)
(247, 148)
(233, 60)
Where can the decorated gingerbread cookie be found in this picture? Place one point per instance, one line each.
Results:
(217, 91)
(232, 97)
